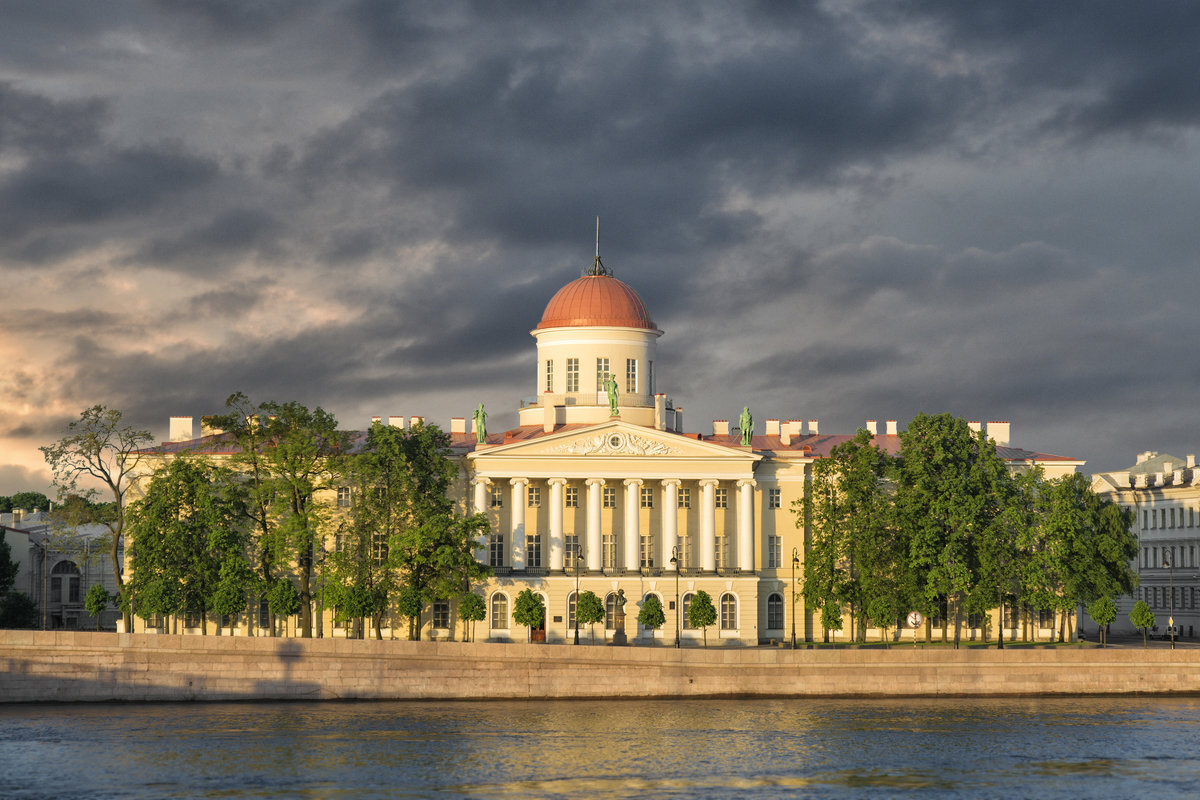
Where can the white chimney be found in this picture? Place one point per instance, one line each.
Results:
(720, 427)
(679, 419)
(1140, 481)
(975, 425)
(891, 427)
(376, 420)
(772, 427)
(812, 426)
(1177, 478)
(396, 422)
(458, 424)
(998, 431)
(873, 427)
(660, 412)
(181, 429)
(415, 421)
(1191, 461)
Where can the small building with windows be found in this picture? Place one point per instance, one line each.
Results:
(57, 565)
(1163, 492)
(600, 487)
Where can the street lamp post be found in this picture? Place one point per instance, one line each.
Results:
(1170, 565)
(678, 610)
(795, 561)
(578, 567)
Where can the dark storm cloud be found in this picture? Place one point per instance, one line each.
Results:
(231, 302)
(219, 244)
(235, 18)
(34, 125)
(1135, 62)
(53, 193)
(43, 321)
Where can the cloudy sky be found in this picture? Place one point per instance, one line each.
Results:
(841, 211)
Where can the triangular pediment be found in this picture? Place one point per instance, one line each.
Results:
(616, 439)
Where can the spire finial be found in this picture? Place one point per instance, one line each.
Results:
(598, 267)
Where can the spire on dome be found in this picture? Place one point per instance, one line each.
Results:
(598, 267)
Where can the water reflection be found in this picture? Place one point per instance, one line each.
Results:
(1112, 747)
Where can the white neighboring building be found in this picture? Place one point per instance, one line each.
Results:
(58, 565)
(1163, 491)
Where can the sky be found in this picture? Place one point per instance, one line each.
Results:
(838, 211)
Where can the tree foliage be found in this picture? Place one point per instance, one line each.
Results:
(99, 447)
(1103, 611)
(28, 500)
(702, 613)
(589, 609)
(472, 609)
(17, 609)
(96, 601)
(651, 614)
(1142, 617)
(529, 610)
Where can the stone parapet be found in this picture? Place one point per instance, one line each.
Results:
(68, 666)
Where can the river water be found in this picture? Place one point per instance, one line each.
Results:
(1121, 747)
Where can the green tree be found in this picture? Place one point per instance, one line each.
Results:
(283, 600)
(471, 609)
(1142, 617)
(408, 605)
(952, 495)
(702, 613)
(96, 601)
(651, 613)
(1102, 611)
(287, 453)
(27, 500)
(235, 582)
(589, 609)
(183, 530)
(99, 447)
(529, 610)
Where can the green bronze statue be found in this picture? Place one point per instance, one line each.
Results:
(480, 417)
(746, 424)
(610, 386)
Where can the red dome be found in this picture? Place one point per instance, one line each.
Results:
(596, 300)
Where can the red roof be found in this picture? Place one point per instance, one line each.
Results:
(596, 300)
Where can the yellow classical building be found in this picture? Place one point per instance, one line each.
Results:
(600, 488)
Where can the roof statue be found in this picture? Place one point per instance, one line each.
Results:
(746, 424)
(610, 386)
(480, 418)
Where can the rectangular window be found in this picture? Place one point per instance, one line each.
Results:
(441, 614)
(533, 497)
(56, 595)
(572, 374)
(685, 497)
(721, 549)
(685, 549)
(722, 498)
(1172, 519)
(549, 375)
(497, 497)
(774, 552)
(608, 551)
(608, 498)
(1045, 618)
(774, 498)
(571, 542)
(496, 550)
(647, 497)
(631, 375)
(1145, 519)
(647, 551)
(533, 550)
(571, 497)
(601, 373)
(379, 547)
(343, 497)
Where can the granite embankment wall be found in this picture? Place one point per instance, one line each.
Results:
(38, 666)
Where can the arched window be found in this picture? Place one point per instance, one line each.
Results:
(499, 611)
(64, 583)
(728, 612)
(610, 611)
(775, 612)
(572, 601)
(687, 604)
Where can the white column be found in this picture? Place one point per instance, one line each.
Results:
(481, 485)
(592, 551)
(517, 522)
(556, 519)
(708, 525)
(633, 539)
(670, 521)
(745, 557)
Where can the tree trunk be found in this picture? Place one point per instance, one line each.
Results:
(1062, 626)
(957, 620)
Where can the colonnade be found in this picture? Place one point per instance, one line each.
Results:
(740, 555)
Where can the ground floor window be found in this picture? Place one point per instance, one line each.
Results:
(441, 614)
(687, 604)
(610, 611)
(499, 612)
(775, 612)
(571, 604)
(728, 612)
